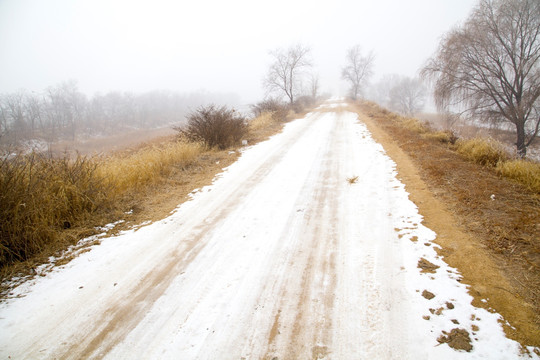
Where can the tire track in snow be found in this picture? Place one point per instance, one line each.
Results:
(312, 323)
(119, 319)
(281, 257)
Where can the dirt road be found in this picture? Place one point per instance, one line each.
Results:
(306, 248)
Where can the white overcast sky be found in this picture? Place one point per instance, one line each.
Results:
(215, 45)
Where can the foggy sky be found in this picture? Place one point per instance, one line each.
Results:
(215, 45)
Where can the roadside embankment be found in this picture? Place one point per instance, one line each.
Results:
(487, 224)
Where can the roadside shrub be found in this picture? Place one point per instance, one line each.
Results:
(39, 196)
(302, 103)
(524, 171)
(486, 152)
(277, 108)
(214, 126)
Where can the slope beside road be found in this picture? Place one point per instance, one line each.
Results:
(306, 247)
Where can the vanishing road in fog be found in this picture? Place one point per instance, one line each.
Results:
(300, 250)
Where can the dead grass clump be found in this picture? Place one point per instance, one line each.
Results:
(487, 152)
(263, 121)
(445, 137)
(40, 196)
(291, 114)
(524, 171)
(147, 166)
(352, 180)
(373, 110)
(413, 125)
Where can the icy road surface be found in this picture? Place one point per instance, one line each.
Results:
(280, 258)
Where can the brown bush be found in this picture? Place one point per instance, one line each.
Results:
(277, 108)
(215, 127)
(302, 103)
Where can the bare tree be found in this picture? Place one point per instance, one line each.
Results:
(4, 127)
(408, 96)
(16, 114)
(489, 67)
(358, 69)
(33, 111)
(66, 104)
(285, 73)
(380, 91)
(314, 86)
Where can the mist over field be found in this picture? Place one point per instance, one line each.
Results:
(70, 70)
(222, 47)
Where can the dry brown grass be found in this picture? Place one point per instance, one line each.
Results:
(498, 211)
(267, 124)
(445, 137)
(49, 203)
(264, 121)
(523, 171)
(45, 198)
(483, 151)
(489, 152)
(147, 166)
(413, 124)
(40, 196)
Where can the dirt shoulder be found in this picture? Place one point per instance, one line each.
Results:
(484, 224)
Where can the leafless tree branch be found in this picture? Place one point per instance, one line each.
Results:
(489, 67)
(285, 73)
(408, 96)
(358, 69)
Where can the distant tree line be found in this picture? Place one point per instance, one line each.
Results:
(400, 93)
(357, 71)
(63, 112)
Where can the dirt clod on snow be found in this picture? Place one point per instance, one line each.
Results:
(457, 339)
(427, 266)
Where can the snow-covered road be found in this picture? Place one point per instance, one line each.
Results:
(281, 258)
